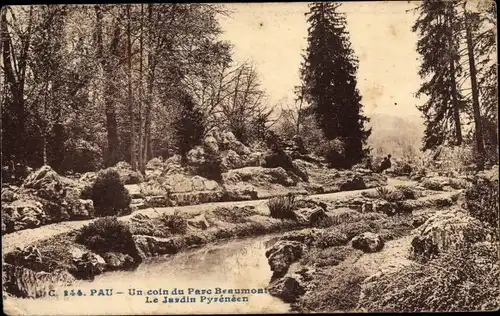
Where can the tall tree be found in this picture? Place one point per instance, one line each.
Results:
(329, 80)
(438, 46)
(110, 60)
(14, 66)
(475, 90)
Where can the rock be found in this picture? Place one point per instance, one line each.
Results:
(9, 193)
(300, 170)
(196, 156)
(352, 183)
(312, 216)
(149, 246)
(304, 236)
(229, 141)
(239, 195)
(130, 176)
(210, 185)
(198, 183)
(154, 164)
(368, 242)
(419, 221)
(45, 183)
(288, 288)
(158, 201)
(445, 230)
(367, 207)
(231, 160)
(83, 209)
(432, 184)
(210, 145)
(298, 143)
(281, 255)
(179, 183)
(118, 261)
(26, 283)
(257, 176)
(88, 177)
(199, 222)
(25, 214)
(88, 265)
(196, 197)
(385, 207)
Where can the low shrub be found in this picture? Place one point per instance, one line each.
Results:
(109, 195)
(382, 193)
(336, 291)
(107, 234)
(175, 223)
(481, 200)
(408, 192)
(282, 207)
(237, 215)
(432, 185)
(327, 257)
(464, 279)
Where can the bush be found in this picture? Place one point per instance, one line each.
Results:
(464, 279)
(408, 192)
(337, 291)
(175, 223)
(109, 195)
(481, 200)
(282, 207)
(383, 193)
(107, 234)
(211, 168)
(433, 185)
(234, 215)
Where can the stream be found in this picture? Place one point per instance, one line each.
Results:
(237, 264)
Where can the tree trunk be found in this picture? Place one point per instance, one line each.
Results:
(148, 152)
(133, 157)
(454, 93)
(15, 82)
(141, 158)
(475, 95)
(109, 90)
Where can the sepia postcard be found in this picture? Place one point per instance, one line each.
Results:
(235, 158)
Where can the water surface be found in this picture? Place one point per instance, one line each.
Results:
(232, 265)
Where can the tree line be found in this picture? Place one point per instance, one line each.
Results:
(459, 70)
(86, 86)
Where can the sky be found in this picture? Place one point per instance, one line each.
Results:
(274, 35)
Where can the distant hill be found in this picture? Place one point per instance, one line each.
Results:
(400, 136)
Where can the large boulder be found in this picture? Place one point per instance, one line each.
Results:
(231, 160)
(210, 145)
(368, 242)
(281, 255)
(118, 261)
(10, 193)
(288, 288)
(88, 265)
(258, 175)
(445, 230)
(23, 214)
(26, 283)
(229, 141)
(127, 175)
(45, 183)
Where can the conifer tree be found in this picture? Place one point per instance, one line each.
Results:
(438, 46)
(329, 80)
